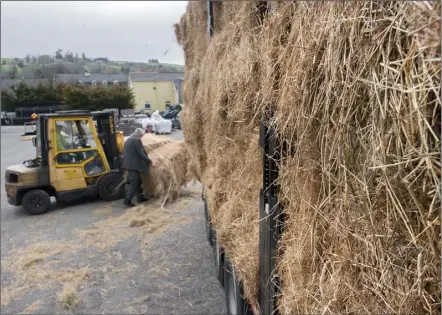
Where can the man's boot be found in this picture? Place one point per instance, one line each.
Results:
(141, 199)
(128, 203)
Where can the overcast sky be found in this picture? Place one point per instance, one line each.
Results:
(118, 30)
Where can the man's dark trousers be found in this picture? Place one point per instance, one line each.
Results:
(133, 186)
(135, 161)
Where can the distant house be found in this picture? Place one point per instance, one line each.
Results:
(156, 91)
(6, 84)
(93, 79)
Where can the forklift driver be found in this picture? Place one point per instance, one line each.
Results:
(63, 144)
(61, 141)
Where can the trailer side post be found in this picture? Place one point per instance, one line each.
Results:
(270, 221)
(210, 18)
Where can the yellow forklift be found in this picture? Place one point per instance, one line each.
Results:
(75, 158)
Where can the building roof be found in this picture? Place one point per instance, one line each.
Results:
(99, 77)
(155, 76)
(7, 83)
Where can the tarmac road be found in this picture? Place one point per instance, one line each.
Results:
(101, 253)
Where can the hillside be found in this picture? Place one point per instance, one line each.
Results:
(46, 66)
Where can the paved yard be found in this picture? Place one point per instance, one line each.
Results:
(96, 257)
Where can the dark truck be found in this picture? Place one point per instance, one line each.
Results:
(23, 114)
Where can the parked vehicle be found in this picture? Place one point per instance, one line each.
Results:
(172, 112)
(176, 122)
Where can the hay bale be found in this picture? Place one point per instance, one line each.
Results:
(171, 167)
(169, 173)
(356, 91)
(152, 142)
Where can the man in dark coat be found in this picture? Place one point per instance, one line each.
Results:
(135, 161)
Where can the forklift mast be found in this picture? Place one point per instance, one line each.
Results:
(106, 130)
(42, 141)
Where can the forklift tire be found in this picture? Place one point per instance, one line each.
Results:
(36, 202)
(209, 231)
(109, 188)
(218, 258)
(236, 305)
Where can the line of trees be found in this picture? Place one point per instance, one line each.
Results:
(70, 96)
(46, 66)
(63, 62)
(47, 59)
(59, 55)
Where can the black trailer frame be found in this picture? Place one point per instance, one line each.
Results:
(271, 220)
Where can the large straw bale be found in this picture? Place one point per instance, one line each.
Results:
(355, 92)
(169, 173)
(151, 142)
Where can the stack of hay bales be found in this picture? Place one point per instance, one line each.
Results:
(354, 88)
(169, 173)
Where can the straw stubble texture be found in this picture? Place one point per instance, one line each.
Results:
(170, 171)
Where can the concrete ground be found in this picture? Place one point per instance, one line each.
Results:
(96, 257)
